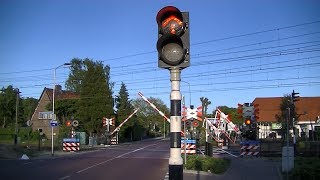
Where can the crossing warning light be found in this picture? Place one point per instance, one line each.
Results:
(68, 123)
(173, 38)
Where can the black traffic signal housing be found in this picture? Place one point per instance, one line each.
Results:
(294, 97)
(173, 38)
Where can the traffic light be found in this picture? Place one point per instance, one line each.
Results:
(173, 38)
(240, 111)
(68, 123)
(247, 121)
(104, 121)
(294, 96)
(256, 111)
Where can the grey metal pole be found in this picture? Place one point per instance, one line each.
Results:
(53, 94)
(175, 160)
(287, 166)
(185, 139)
(53, 99)
(16, 125)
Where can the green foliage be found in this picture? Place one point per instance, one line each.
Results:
(7, 106)
(233, 114)
(149, 119)
(306, 169)
(29, 105)
(124, 109)
(282, 117)
(91, 79)
(206, 163)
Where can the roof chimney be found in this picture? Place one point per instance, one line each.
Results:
(58, 88)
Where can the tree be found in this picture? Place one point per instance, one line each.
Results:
(233, 114)
(77, 72)
(124, 109)
(148, 118)
(204, 103)
(8, 100)
(29, 105)
(91, 79)
(283, 116)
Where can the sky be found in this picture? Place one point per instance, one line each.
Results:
(239, 50)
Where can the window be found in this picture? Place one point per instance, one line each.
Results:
(45, 115)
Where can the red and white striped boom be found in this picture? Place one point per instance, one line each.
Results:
(117, 128)
(153, 106)
(230, 123)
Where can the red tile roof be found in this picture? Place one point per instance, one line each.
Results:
(61, 94)
(307, 107)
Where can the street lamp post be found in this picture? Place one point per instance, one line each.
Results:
(53, 98)
(16, 125)
(184, 125)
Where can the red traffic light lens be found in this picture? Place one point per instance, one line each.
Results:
(68, 123)
(172, 25)
(170, 20)
(247, 122)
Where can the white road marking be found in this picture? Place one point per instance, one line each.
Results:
(103, 162)
(66, 177)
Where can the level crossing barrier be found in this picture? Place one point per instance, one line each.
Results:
(114, 140)
(250, 148)
(189, 146)
(71, 144)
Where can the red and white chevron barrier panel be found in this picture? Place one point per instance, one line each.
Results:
(188, 151)
(114, 141)
(188, 146)
(153, 106)
(71, 146)
(249, 150)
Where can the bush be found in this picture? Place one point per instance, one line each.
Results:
(306, 168)
(206, 163)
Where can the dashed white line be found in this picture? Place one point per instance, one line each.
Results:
(66, 177)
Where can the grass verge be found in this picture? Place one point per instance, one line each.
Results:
(207, 164)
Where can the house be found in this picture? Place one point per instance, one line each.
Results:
(308, 112)
(40, 120)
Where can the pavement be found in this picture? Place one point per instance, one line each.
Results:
(246, 168)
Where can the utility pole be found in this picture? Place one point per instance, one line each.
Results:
(175, 160)
(16, 124)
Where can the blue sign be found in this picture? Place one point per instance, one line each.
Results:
(71, 140)
(54, 123)
(189, 141)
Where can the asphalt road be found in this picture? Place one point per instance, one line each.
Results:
(146, 160)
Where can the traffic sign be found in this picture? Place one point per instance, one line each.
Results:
(54, 123)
